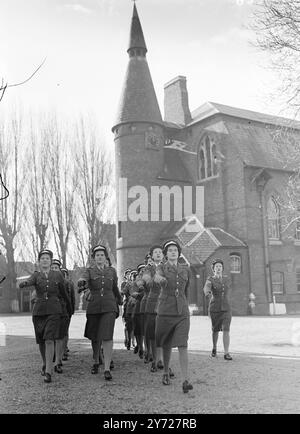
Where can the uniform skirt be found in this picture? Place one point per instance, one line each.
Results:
(64, 326)
(172, 331)
(100, 326)
(220, 321)
(137, 320)
(46, 327)
(150, 321)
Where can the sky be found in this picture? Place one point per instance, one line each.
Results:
(85, 45)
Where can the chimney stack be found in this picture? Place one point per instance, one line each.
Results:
(176, 101)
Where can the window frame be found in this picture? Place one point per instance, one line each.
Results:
(273, 221)
(206, 164)
(236, 256)
(281, 273)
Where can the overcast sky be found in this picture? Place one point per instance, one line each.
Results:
(85, 43)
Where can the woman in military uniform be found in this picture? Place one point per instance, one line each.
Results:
(128, 311)
(71, 292)
(219, 287)
(125, 295)
(50, 288)
(102, 308)
(137, 315)
(173, 317)
(156, 255)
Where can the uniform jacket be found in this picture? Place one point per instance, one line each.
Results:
(103, 285)
(221, 291)
(137, 293)
(71, 294)
(145, 298)
(173, 298)
(51, 293)
(154, 292)
(131, 301)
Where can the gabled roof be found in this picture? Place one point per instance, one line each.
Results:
(225, 239)
(209, 109)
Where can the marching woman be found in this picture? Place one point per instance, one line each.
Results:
(50, 288)
(138, 292)
(71, 293)
(102, 308)
(128, 310)
(148, 353)
(64, 321)
(173, 317)
(219, 287)
(157, 256)
(125, 295)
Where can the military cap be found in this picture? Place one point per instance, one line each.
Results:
(217, 261)
(56, 262)
(171, 243)
(99, 248)
(45, 252)
(140, 267)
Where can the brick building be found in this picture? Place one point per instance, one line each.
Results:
(230, 152)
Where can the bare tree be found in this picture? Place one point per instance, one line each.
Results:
(37, 213)
(5, 85)
(63, 182)
(11, 211)
(95, 186)
(277, 24)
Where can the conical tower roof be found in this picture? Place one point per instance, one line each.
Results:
(138, 102)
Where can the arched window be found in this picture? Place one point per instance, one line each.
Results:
(297, 234)
(273, 219)
(235, 263)
(201, 164)
(208, 157)
(213, 161)
(207, 167)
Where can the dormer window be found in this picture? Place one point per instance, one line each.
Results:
(273, 219)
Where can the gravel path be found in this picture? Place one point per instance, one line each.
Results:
(248, 384)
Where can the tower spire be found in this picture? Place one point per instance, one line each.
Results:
(137, 45)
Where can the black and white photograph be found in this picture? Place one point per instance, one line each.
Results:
(149, 210)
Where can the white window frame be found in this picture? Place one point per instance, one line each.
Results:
(281, 274)
(239, 268)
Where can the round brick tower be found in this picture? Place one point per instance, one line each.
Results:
(139, 142)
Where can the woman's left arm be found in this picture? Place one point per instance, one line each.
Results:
(188, 284)
(63, 293)
(116, 289)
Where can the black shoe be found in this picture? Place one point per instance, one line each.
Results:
(146, 359)
(57, 368)
(47, 378)
(95, 369)
(213, 352)
(43, 370)
(107, 375)
(171, 373)
(160, 365)
(186, 386)
(153, 367)
(227, 356)
(136, 349)
(64, 357)
(128, 347)
(112, 365)
(166, 380)
(141, 354)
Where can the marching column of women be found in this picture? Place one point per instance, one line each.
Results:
(155, 310)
